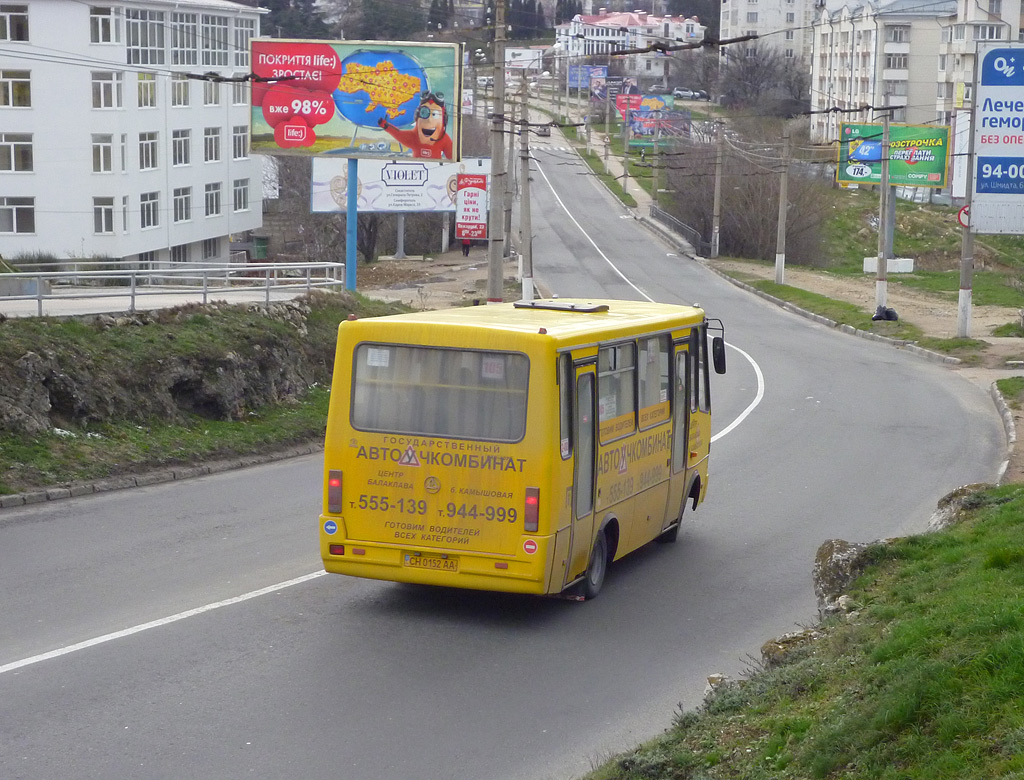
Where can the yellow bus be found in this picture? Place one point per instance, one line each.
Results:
(516, 447)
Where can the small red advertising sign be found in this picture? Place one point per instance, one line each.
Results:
(471, 206)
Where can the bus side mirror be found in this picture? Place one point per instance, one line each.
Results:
(718, 354)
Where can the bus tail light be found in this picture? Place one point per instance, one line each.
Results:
(334, 492)
(531, 519)
(337, 549)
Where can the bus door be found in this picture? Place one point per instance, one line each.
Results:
(584, 453)
(678, 468)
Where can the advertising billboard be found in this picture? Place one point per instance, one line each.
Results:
(366, 99)
(580, 75)
(918, 155)
(997, 197)
(390, 186)
(471, 206)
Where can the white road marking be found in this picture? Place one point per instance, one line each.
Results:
(35, 659)
(757, 369)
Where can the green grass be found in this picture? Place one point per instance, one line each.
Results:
(97, 451)
(924, 682)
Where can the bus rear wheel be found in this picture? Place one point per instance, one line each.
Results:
(597, 568)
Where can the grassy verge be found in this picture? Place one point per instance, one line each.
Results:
(111, 449)
(924, 680)
(87, 447)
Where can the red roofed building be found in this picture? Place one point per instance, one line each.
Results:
(588, 39)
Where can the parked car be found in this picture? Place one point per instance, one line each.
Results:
(684, 94)
(544, 130)
(658, 89)
(700, 94)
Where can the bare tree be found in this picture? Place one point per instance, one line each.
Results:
(760, 77)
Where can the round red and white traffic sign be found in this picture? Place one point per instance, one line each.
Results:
(529, 546)
(964, 217)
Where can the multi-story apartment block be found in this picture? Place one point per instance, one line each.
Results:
(875, 55)
(587, 38)
(783, 25)
(975, 22)
(112, 144)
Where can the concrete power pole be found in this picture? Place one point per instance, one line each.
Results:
(780, 236)
(883, 214)
(525, 225)
(495, 215)
(716, 213)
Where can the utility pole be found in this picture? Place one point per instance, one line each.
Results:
(883, 213)
(716, 211)
(625, 148)
(495, 221)
(510, 166)
(525, 226)
(964, 301)
(780, 236)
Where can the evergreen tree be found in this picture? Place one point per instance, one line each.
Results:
(293, 19)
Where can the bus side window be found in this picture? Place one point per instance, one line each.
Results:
(616, 390)
(696, 364)
(565, 384)
(653, 395)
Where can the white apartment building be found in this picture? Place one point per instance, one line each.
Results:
(977, 21)
(784, 25)
(588, 39)
(109, 147)
(875, 54)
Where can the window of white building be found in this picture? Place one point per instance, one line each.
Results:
(149, 209)
(103, 215)
(180, 89)
(896, 61)
(107, 89)
(988, 32)
(211, 93)
(15, 88)
(211, 248)
(240, 93)
(182, 204)
(180, 253)
(212, 196)
(245, 31)
(102, 154)
(181, 147)
(240, 188)
(147, 151)
(211, 144)
(147, 90)
(124, 213)
(897, 33)
(13, 24)
(17, 215)
(104, 24)
(16, 152)
(144, 36)
(240, 142)
(214, 40)
(184, 39)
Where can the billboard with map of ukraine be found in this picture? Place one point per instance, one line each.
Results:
(371, 99)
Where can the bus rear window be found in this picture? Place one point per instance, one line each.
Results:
(457, 393)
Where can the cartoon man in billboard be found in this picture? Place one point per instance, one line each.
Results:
(429, 136)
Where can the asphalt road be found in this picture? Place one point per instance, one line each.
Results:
(125, 650)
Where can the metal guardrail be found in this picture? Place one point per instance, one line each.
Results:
(196, 279)
(692, 235)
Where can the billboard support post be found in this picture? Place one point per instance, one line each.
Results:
(881, 280)
(351, 223)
